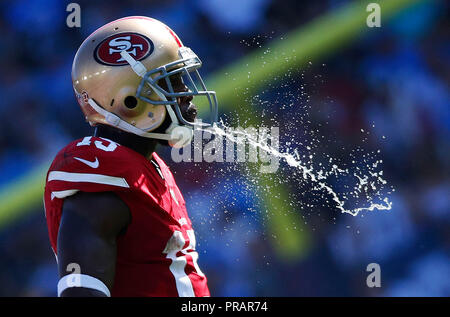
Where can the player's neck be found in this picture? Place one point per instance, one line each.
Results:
(139, 144)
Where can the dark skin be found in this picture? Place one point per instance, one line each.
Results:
(92, 222)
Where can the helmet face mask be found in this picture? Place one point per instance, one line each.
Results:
(123, 76)
(185, 69)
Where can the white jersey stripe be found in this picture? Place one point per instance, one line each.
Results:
(63, 193)
(87, 178)
(182, 281)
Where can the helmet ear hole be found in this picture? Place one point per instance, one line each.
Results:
(130, 102)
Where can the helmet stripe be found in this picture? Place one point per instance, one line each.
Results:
(175, 36)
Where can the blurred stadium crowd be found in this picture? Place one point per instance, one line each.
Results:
(396, 77)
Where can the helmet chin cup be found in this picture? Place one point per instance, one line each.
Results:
(180, 136)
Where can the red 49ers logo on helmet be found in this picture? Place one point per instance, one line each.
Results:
(108, 51)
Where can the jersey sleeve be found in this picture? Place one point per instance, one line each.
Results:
(90, 165)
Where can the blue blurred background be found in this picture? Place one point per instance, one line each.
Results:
(392, 81)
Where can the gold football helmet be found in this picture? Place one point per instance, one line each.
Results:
(122, 77)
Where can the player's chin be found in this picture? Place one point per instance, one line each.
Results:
(189, 111)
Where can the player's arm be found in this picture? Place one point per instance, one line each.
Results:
(90, 224)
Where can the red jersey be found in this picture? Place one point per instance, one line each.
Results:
(156, 256)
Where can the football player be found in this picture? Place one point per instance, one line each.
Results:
(117, 221)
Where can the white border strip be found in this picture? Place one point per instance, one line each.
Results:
(88, 178)
(82, 280)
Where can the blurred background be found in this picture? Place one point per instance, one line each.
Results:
(391, 82)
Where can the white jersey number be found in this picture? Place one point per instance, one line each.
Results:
(99, 144)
